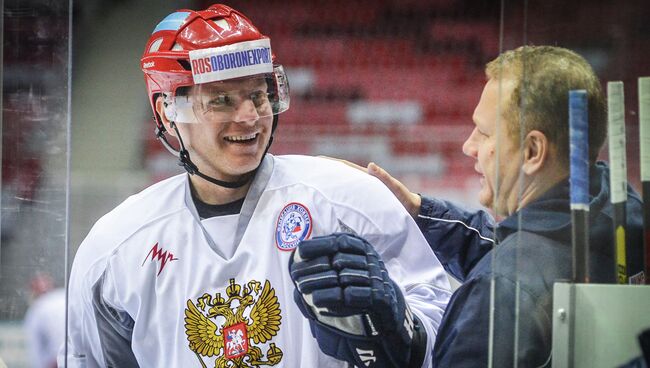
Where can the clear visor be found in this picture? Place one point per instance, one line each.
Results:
(242, 99)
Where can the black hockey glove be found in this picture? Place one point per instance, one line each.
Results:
(356, 312)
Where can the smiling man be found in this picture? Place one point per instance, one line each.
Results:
(194, 270)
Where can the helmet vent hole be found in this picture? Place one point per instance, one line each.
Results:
(155, 45)
(223, 24)
(185, 64)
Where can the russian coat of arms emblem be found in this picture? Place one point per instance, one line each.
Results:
(231, 328)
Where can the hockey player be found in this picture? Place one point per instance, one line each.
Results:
(195, 270)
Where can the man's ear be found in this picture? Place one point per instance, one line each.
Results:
(160, 109)
(536, 152)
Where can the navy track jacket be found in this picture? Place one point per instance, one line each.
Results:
(523, 256)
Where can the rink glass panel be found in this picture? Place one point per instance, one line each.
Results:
(397, 82)
(394, 82)
(35, 122)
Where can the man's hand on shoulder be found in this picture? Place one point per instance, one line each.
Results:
(356, 312)
(411, 201)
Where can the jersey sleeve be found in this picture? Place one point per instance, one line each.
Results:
(458, 237)
(83, 347)
(95, 324)
(376, 215)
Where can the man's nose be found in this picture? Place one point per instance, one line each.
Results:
(246, 111)
(469, 147)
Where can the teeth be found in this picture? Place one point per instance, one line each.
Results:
(240, 138)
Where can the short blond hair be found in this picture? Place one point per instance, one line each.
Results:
(543, 77)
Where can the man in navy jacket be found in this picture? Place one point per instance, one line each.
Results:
(503, 309)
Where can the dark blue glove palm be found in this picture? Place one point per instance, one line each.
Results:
(356, 312)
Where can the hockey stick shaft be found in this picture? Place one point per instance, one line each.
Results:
(618, 174)
(644, 143)
(579, 180)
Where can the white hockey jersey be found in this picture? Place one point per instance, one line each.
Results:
(154, 283)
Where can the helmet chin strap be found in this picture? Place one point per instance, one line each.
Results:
(192, 169)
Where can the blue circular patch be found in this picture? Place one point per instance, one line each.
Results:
(293, 226)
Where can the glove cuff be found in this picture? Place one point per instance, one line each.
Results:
(418, 344)
(360, 350)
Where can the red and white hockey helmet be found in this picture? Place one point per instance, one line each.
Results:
(202, 47)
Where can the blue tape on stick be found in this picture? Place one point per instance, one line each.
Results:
(579, 148)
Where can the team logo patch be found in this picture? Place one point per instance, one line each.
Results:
(294, 226)
(236, 328)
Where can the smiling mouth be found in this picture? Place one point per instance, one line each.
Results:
(241, 138)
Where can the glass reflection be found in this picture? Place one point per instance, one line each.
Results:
(35, 74)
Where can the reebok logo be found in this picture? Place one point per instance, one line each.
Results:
(367, 356)
(162, 256)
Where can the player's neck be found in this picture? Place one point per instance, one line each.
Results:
(210, 193)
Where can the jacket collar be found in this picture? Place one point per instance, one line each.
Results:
(550, 214)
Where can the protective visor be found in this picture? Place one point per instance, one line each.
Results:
(241, 99)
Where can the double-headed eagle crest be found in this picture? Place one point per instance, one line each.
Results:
(229, 328)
